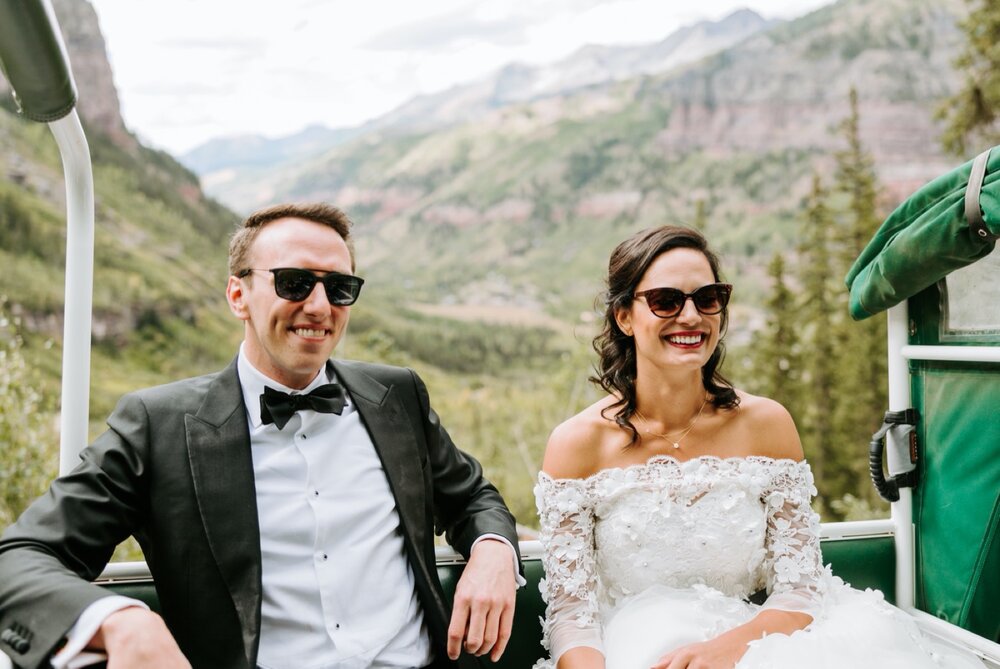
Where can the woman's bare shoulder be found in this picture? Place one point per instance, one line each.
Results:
(768, 428)
(576, 446)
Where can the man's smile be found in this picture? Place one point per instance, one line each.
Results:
(311, 333)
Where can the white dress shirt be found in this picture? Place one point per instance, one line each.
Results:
(338, 589)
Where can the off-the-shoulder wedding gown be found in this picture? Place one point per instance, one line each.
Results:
(644, 559)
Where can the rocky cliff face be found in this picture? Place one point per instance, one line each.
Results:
(589, 66)
(786, 88)
(98, 103)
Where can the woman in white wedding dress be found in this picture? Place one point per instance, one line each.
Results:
(670, 502)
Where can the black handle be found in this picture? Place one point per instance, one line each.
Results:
(888, 489)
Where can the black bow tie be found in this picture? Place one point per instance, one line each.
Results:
(278, 407)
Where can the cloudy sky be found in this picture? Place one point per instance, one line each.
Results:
(190, 70)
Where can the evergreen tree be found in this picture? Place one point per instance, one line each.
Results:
(819, 364)
(861, 356)
(971, 115)
(777, 368)
(700, 222)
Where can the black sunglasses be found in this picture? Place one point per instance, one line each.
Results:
(668, 302)
(294, 284)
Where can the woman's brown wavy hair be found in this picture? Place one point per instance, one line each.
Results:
(616, 368)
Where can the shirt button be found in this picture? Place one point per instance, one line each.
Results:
(315, 493)
(302, 436)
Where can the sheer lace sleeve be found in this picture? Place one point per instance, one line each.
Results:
(569, 589)
(793, 562)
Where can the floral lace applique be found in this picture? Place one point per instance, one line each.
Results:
(569, 589)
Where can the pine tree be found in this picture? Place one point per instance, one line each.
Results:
(700, 222)
(861, 347)
(777, 369)
(972, 114)
(819, 364)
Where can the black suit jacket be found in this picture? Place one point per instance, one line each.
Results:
(174, 469)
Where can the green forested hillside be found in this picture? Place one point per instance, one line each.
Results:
(157, 310)
(157, 266)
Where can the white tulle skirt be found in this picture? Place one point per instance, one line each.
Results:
(856, 630)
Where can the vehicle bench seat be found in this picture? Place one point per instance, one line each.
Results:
(866, 562)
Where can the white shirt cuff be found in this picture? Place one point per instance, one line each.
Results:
(83, 630)
(521, 582)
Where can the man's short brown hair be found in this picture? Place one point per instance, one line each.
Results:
(318, 212)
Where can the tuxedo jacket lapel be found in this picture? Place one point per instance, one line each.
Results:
(218, 442)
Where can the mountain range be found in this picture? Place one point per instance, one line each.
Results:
(516, 205)
(511, 84)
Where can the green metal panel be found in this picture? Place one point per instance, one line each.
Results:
(957, 504)
(864, 563)
(33, 60)
(144, 591)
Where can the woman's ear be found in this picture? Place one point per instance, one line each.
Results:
(624, 319)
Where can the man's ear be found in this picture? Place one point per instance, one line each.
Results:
(237, 299)
(624, 319)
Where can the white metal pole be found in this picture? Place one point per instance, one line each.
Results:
(74, 421)
(899, 399)
(953, 353)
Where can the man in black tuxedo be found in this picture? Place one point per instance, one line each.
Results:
(286, 505)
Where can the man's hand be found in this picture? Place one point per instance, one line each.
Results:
(484, 602)
(135, 637)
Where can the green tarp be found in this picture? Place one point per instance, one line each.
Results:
(928, 236)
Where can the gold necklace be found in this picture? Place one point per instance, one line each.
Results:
(675, 442)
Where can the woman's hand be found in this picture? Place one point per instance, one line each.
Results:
(722, 652)
(725, 650)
